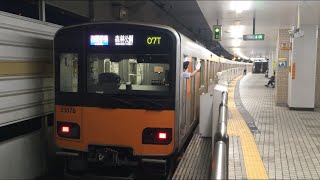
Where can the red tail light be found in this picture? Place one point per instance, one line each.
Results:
(68, 130)
(65, 129)
(162, 136)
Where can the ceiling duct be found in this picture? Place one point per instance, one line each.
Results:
(120, 12)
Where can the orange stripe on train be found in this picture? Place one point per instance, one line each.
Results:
(119, 127)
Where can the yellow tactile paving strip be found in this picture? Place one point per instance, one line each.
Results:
(238, 127)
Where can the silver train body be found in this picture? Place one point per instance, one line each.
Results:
(188, 90)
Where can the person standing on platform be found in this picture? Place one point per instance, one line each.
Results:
(245, 70)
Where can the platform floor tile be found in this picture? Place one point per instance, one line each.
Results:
(236, 164)
(289, 141)
(237, 127)
(196, 161)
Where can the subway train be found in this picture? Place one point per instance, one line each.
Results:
(120, 98)
(260, 66)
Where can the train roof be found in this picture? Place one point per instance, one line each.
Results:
(177, 33)
(120, 22)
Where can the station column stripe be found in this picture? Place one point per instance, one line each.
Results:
(13, 68)
(238, 127)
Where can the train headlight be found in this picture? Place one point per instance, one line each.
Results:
(68, 130)
(161, 136)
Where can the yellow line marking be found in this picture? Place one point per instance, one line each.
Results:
(238, 127)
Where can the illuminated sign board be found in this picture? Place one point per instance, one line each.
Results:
(118, 40)
(99, 40)
(155, 40)
(123, 40)
(253, 37)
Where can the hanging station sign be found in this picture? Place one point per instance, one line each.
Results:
(253, 37)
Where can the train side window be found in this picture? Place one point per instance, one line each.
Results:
(69, 72)
(211, 77)
(208, 70)
(215, 67)
(202, 71)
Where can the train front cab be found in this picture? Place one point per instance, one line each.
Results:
(115, 95)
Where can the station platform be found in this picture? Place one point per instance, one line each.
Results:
(195, 163)
(265, 141)
(279, 144)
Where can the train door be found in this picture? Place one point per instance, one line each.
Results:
(188, 100)
(194, 96)
(184, 92)
(200, 87)
(191, 98)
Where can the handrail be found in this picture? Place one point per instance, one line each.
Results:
(220, 161)
(221, 143)
(224, 101)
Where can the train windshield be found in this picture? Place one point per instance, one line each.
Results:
(126, 74)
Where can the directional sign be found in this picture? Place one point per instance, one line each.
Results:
(253, 37)
(216, 32)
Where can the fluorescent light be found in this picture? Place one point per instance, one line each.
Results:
(242, 56)
(236, 31)
(236, 42)
(239, 53)
(240, 6)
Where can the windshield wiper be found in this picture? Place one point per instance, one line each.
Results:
(116, 102)
(123, 102)
(158, 106)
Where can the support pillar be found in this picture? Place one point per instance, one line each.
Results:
(282, 71)
(302, 77)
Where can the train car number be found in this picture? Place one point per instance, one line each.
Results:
(153, 40)
(68, 110)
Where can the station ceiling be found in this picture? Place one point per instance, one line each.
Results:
(236, 18)
(195, 19)
(185, 16)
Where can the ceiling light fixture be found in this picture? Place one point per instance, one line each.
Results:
(236, 42)
(236, 31)
(239, 53)
(242, 56)
(240, 6)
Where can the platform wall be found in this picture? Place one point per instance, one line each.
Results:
(26, 95)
